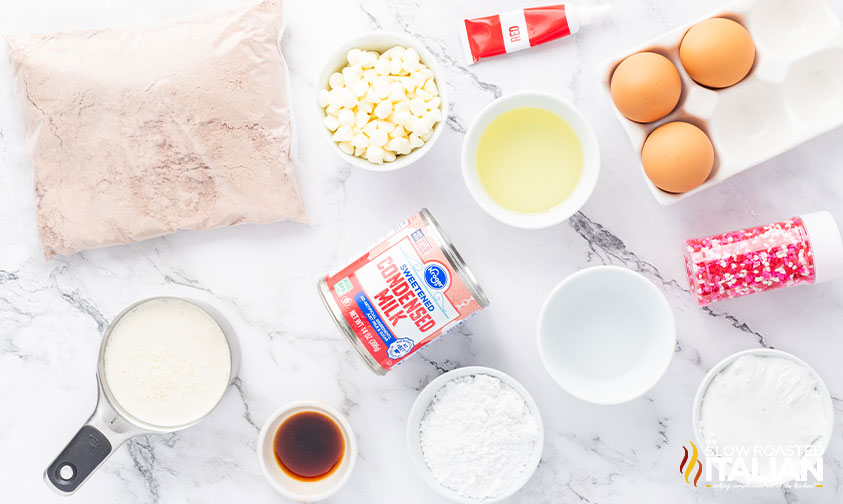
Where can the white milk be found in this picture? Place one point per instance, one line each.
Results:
(167, 362)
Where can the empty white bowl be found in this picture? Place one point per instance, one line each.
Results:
(380, 41)
(828, 405)
(420, 407)
(291, 488)
(591, 159)
(606, 334)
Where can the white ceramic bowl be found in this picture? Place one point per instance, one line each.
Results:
(380, 41)
(606, 334)
(420, 407)
(828, 405)
(588, 141)
(305, 491)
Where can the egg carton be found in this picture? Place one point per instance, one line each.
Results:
(793, 92)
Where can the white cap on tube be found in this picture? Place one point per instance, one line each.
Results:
(594, 14)
(582, 15)
(826, 244)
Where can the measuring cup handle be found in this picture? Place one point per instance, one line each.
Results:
(86, 451)
(103, 433)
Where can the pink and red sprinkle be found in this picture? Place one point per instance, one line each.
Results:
(751, 260)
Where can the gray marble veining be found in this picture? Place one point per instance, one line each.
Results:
(52, 314)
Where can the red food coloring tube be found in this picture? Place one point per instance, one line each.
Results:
(524, 28)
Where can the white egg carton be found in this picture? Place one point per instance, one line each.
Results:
(793, 93)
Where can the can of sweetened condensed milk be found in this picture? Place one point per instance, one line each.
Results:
(401, 294)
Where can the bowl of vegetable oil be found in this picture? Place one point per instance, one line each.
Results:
(530, 159)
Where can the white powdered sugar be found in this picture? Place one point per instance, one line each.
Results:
(477, 436)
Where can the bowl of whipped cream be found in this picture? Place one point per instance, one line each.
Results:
(762, 417)
(475, 435)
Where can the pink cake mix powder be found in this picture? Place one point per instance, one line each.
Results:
(140, 132)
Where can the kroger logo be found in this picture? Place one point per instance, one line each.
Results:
(436, 276)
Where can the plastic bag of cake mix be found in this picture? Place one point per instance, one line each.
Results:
(140, 132)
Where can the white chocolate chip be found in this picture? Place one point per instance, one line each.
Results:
(347, 148)
(361, 118)
(383, 109)
(418, 107)
(375, 154)
(423, 95)
(397, 92)
(371, 97)
(410, 56)
(344, 98)
(398, 131)
(331, 122)
(400, 145)
(336, 80)
(381, 87)
(408, 84)
(360, 88)
(435, 115)
(420, 127)
(370, 128)
(403, 117)
(396, 52)
(324, 98)
(415, 141)
(360, 140)
(382, 66)
(351, 78)
(419, 78)
(343, 134)
(368, 59)
(379, 138)
(353, 56)
(345, 117)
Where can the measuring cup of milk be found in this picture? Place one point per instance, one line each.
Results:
(164, 365)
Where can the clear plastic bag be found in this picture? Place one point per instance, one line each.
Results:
(138, 133)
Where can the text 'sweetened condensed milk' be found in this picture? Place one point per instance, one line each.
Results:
(409, 288)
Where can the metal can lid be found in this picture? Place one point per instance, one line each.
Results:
(456, 260)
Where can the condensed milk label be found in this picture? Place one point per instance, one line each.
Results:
(401, 294)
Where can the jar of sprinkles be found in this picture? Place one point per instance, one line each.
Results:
(804, 249)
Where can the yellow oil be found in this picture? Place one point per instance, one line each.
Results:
(529, 160)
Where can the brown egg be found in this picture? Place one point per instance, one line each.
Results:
(717, 52)
(645, 87)
(677, 157)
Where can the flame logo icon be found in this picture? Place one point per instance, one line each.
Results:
(687, 466)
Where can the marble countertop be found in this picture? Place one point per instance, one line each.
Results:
(52, 314)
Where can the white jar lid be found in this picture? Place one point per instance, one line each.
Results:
(826, 244)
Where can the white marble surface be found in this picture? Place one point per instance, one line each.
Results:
(52, 314)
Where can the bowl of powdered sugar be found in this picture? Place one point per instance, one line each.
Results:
(475, 435)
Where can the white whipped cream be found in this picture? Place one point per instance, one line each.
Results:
(766, 403)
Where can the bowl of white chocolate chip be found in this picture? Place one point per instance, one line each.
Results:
(381, 100)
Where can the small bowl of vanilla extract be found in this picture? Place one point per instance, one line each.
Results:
(307, 450)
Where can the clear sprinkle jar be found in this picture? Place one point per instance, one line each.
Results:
(804, 249)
